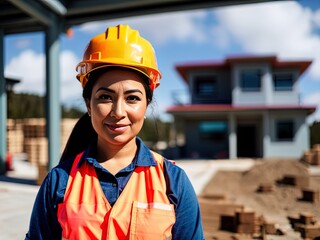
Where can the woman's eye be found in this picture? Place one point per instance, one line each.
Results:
(133, 99)
(105, 97)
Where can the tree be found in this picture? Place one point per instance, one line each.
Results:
(155, 130)
(71, 112)
(315, 133)
(25, 105)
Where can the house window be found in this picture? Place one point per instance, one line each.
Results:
(250, 80)
(282, 82)
(285, 130)
(213, 130)
(205, 86)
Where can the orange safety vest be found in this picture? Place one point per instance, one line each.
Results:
(142, 211)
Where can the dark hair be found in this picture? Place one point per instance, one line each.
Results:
(81, 136)
(83, 133)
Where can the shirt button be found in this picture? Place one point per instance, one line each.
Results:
(114, 184)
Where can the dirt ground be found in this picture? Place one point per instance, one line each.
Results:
(228, 191)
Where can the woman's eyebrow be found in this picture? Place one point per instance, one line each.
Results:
(126, 92)
(105, 89)
(133, 91)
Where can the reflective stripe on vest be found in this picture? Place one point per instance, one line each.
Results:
(142, 211)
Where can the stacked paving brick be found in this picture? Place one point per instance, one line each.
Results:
(310, 195)
(245, 221)
(307, 225)
(302, 182)
(312, 156)
(227, 218)
(217, 214)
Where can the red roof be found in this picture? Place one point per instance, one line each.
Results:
(229, 108)
(183, 69)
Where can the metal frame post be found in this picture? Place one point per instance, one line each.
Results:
(53, 111)
(3, 109)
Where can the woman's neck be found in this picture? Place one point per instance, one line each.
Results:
(116, 157)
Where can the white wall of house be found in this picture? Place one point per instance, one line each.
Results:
(286, 97)
(280, 148)
(267, 95)
(261, 97)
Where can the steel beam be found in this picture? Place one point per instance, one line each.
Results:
(36, 10)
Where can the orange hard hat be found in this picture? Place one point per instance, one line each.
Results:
(119, 46)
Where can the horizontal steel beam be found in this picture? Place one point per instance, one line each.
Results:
(35, 10)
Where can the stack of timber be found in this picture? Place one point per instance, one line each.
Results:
(35, 141)
(312, 156)
(14, 136)
(67, 125)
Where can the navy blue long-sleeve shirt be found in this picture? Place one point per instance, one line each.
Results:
(44, 222)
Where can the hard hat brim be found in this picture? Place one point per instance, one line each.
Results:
(84, 78)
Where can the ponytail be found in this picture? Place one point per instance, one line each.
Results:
(80, 138)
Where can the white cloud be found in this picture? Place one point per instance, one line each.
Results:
(284, 29)
(160, 28)
(313, 98)
(29, 67)
(316, 18)
(179, 26)
(269, 27)
(70, 86)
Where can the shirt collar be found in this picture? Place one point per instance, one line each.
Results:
(144, 157)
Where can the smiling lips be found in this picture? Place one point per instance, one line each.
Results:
(119, 128)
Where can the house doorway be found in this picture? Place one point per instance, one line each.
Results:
(247, 140)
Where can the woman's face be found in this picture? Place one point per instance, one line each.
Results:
(117, 106)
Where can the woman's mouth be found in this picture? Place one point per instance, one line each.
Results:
(117, 127)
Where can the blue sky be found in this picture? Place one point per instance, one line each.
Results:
(289, 30)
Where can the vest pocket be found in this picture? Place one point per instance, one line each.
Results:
(151, 221)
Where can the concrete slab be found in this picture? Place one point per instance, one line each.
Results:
(16, 201)
(201, 171)
(17, 195)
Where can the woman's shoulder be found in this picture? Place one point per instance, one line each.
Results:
(55, 182)
(63, 167)
(59, 174)
(173, 170)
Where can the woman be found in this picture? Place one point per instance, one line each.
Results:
(108, 184)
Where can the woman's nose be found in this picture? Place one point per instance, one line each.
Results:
(118, 110)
